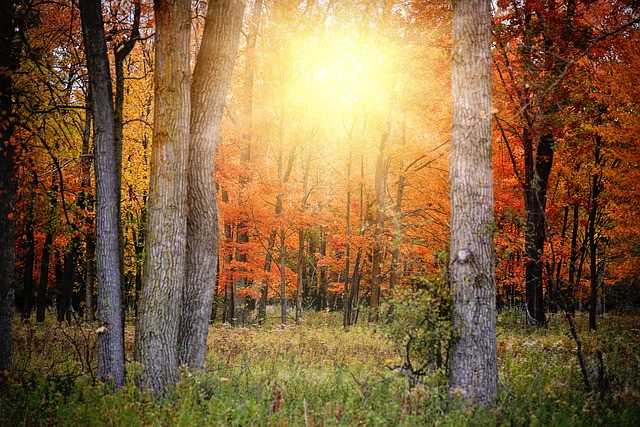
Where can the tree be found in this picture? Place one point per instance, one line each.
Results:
(7, 185)
(211, 78)
(176, 303)
(474, 369)
(161, 296)
(111, 344)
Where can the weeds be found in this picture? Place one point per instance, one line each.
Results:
(318, 374)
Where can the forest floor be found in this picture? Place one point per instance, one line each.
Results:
(318, 374)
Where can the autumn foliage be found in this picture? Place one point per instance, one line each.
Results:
(333, 156)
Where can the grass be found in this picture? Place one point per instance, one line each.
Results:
(318, 374)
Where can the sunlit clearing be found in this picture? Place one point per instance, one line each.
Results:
(340, 73)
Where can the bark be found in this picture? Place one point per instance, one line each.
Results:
(538, 164)
(473, 371)
(211, 78)
(161, 298)
(594, 241)
(7, 184)
(111, 342)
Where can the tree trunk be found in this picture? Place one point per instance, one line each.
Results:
(538, 164)
(382, 166)
(29, 261)
(211, 78)
(120, 55)
(161, 298)
(346, 300)
(474, 369)
(111, 343)
(44, 277)
(86, 202)
(7, 184)
(594, 241)
(300, 283)
(241, 314)
(65, 285)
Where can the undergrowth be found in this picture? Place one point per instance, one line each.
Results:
(319, 374)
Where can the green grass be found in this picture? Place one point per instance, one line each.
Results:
(318, 374)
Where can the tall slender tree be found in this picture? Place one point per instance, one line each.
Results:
(7, 184)
(474, 367)
(111, 344)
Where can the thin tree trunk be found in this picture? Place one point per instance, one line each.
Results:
(86, 203)
(44, 277)
(382, 166)
(537, 170)
(111, 343)
(300, 282)
(596, 189)
(121, 53)
(241, 314)
(29, 261)
(474, 367)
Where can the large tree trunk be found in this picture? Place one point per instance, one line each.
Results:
(111, 343)
(7, 184)
(211, 79)
(474, 369)
(161, 298)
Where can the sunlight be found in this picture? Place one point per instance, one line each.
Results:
(343, 71)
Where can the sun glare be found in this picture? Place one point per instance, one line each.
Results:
(343, 72)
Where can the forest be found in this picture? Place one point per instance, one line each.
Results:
(319, 212)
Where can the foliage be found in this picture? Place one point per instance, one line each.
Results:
(320, 374)
(419, 326)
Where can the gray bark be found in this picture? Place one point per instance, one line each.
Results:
(161, 296)
(211, 79)
(474, 372)
(111, 343)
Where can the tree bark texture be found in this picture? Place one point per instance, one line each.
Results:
(7, 185)
(211, 78)
(161, 297)
(111, 343)
(474, 372)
